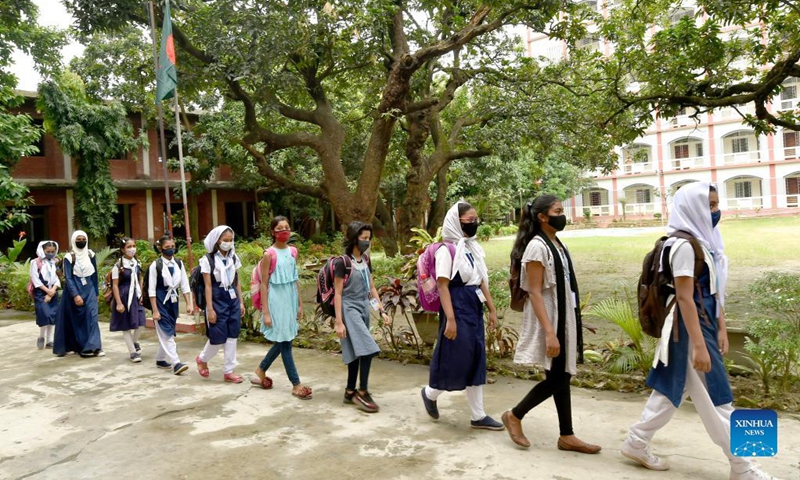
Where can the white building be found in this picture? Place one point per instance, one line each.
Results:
(753, 174)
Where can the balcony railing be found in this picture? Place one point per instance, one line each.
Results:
(641, 208)
(599, 209)
(686, 163)
(790, 152)
(793, 201)
(745, 203)
(789, 104)
(741, 157)
(631, 168)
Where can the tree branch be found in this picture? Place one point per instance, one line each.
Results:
(269, 172)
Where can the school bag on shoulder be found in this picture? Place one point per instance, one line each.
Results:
(255, 277)
(30, 281)
(426, 276)
(655, 287)
(108, 292)
(326, 290)
(198, 285)
(518, 295)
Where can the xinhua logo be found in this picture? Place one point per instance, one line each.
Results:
(754, 433)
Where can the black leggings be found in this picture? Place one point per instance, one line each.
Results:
(555, 384)
(352, 373)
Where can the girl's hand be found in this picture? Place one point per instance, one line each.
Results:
(78, 300)
(492, 321)
(300, 314)
(120, 308)
(141, 301)
(701, 360)
(47, 298)
(268, 321)
(212, 315)
(341, 331)
(552, 345)
(241, 306)
(387, 320)
(156, 315)
(450, 329)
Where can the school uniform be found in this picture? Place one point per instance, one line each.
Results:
(43, 274)
(165, 286)
(127, 273)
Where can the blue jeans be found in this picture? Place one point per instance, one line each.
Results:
(284, 349)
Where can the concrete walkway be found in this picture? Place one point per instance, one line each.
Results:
(74, 418)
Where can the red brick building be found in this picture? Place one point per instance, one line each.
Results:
(51, 176)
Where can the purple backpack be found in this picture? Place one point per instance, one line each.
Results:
(426, 276)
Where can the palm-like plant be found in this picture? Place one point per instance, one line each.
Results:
(420, 241)
(399, 297)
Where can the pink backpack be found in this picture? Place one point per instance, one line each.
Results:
(426, 277)
(30, 282)
(255, 278)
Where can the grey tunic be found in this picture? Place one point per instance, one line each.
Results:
(355, 313)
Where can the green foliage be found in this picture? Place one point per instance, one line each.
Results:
(92, 133)
(485, 232)
(399, 298)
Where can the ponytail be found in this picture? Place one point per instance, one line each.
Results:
(529, 225)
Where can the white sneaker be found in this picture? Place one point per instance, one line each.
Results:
(644, 456)
(755, 473)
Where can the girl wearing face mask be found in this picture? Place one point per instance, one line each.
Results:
(281, 307)
(224, 302)
(354, 294)
(691, 365)
(77, 329)
(166, 276)
(551, 327)
(45, 291)
(127, 312)
(459, 358)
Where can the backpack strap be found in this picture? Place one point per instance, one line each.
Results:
(348, 267)
(699, 264)
(273, 260)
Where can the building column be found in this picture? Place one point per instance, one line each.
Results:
(67, 167)
(145, 154)
(70, 213)
(151, 234)
(214, 210)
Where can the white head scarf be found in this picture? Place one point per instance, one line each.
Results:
(82, 266)
(691, 213)
(451, 232)
(226, 273)
(48, 269)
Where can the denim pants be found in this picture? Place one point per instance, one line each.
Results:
(284, 349)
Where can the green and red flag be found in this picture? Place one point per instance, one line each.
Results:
(167, 75)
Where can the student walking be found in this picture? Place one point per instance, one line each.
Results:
(127, 310)
(281, 306)
(551, 327)
(166, 275)
(224, 302)
(355, 293)
(691, 365)
(45, 284)
(459, 358)
(77, 329)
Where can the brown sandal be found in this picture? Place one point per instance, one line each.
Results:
(266, 384)
(303, 394)
(518, 438)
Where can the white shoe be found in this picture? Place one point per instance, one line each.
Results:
(755, 473)
(643, 456)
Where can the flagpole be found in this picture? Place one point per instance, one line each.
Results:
(161, 126)
(183, 181)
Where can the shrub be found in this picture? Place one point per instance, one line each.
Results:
(485, 232)
(509, 230)
(587, 214)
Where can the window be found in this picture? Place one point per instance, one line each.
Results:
(698, 149)
(643, 195)
(790, 141)
(789, 92)
(681, 14)
(595, 199)
(636, 154)
(744, 189)
(39, 123)
(682, 151)
(793, 185)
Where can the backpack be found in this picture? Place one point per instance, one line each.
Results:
(108, 292)
(159, 280)
(518, 295)
(255, 277)
(197, 283)
(426, 270)
(655, 287)
(326, 290)
(30, 281)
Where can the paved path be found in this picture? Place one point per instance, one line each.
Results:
(73, 418)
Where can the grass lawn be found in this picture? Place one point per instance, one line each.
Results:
(753, 246)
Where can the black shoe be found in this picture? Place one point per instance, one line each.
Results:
(430, 405)
(487, 423)
(365, 403)
(137, 347)
(348, 397)
(49, 345)
(163, 364)
(179, 368)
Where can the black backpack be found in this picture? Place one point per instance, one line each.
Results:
(655, 287)
(198, 285)
(518, 295)
(159, 280)
(326, 291)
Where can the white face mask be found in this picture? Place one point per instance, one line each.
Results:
(225, 246)
(131, 251)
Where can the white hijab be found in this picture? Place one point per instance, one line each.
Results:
(48, 269)
(82, 266)
(225, 273)
(451, 232)
(133, 265)
(691, 213)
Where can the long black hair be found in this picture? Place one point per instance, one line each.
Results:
(529, 225)
(157, 245)
(274, 223)
(354, 230)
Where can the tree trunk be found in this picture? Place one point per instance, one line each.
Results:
(383, 220)
(415, 203)
(439, 206)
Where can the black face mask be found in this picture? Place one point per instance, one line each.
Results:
(470, 229)
(363, 245)
(168, 252)
(81, 244)
(559, 222)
